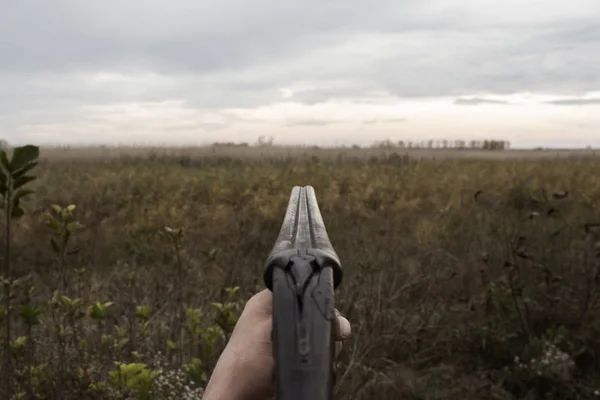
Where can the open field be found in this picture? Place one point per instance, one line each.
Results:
(464, 278)
(284, 153)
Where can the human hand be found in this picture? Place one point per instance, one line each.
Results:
(245, 368)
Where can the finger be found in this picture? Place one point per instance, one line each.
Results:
(343, 330)
(338, 348)
(261, 304)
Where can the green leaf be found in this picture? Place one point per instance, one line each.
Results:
(3, 177)
(29, 314)
(142, 312)
(53, 223)
(17, 211)
(132, 369)
(66, 300)
(18, 343)
(4, 161)
(25, 169)
(172, 345)
(232, 290)
(21, 193)
(57, 209)
(22, 181)
(23, 155)
(174, 233)
(74, 226)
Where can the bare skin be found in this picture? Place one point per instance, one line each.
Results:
(245, 368)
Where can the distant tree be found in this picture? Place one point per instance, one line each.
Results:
(384, 144)
(264, 141)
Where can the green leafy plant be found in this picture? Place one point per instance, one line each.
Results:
(228, 312)
(135, 377)
(17, 346)
(63, 223)
(100, 311)
(142, 314)
(14, 178)
(195, 371)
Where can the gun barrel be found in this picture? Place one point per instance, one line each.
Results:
(303, 271)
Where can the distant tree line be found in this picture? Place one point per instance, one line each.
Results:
(491, 144)
(443, 144)
(230, 144)
(262, 141)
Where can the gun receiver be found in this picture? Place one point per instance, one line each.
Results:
(302, 271)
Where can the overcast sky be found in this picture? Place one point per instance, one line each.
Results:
(303, 71)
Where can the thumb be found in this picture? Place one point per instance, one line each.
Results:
(343, 330)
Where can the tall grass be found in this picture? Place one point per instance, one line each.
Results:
(464, 279)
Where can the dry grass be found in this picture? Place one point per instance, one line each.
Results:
(284, 153)
(443, 288)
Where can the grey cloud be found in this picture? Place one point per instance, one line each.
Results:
(477, 100)
(219, 54)
(574, 102)
(185, 36)
(499, 62)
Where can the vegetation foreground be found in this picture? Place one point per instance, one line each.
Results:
(463, 279)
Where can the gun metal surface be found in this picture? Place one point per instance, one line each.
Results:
(302, 271)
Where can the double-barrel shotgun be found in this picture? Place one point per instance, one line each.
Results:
(302, 271)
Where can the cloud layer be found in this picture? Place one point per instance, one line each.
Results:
(199, 71)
